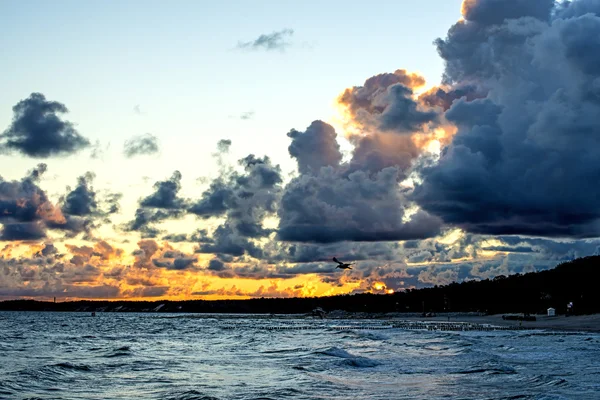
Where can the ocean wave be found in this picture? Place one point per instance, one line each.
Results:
(545, 381)
(187, 361)
(499, 370)
(187, 395)
(74, 367)
(122, 351)
(349, 359)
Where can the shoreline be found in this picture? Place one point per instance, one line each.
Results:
(576, 323)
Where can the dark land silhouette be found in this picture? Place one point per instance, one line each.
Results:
(574, 281)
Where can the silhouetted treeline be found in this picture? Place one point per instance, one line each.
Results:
(575, 281)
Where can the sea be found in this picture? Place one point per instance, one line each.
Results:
(51, 355)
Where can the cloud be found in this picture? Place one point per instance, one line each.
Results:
(83, 209)
(356, 201)
(25, 208)
(141, 145)
(329, 208)
(315, 148)
(166, 194)
(244, 199)
(23, 231)
(177, 264)
(570, 9)
(223, 145)
(161, 205)
(514, 117)
(493, 12)
(81, 201)
(247, 115)
(269, 42)
(137, 109)
(524, 158)
(38, 131)
(26, 211)
(386, 102)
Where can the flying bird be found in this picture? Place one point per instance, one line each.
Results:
(342, 265)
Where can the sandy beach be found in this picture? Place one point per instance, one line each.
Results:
(588, 323)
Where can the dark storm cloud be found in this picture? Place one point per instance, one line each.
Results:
(228, 240)
(23, 231)
(570, 9)
(165, 195)
(315, 148)
(25, 210)
(339, 213)
(215, 201)
(244, 199)
(38, 131)
(163, 204)
(145, 218)
(403, 113)
(199, 236)
(82, 209)
(216, 265)
(141, 145)
(270, 42)
(21, 200)
(350, 202)
(348, 251)
(177, 264)
(444, 98)
(81, 201)
(546, 249)
(525, 159)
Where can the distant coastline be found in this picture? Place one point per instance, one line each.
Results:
(575, 323)
(570, 288)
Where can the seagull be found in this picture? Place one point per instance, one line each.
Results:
(342, 265)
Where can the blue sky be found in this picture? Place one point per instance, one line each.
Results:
(178, 61)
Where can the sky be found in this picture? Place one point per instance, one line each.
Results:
(202, 150)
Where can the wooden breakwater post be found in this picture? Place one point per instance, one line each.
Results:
(403, 325)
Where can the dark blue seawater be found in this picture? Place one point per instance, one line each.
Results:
(173, 356)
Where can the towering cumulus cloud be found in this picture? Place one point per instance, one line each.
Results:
(38, 131)
(357, 201)
(526, 159)
(361, 199)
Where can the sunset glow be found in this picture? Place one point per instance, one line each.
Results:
(146, 163)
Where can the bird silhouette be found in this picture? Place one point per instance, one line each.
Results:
(342, 265)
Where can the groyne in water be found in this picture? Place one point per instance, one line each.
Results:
(427, 326)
